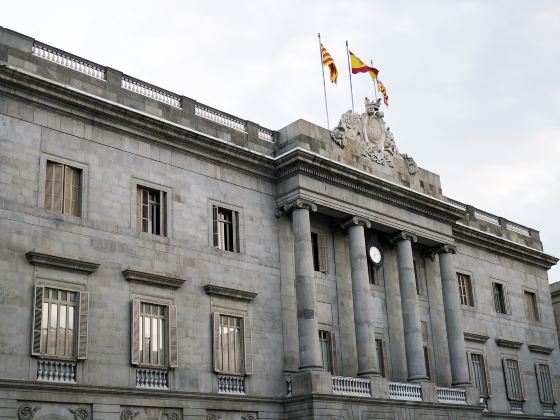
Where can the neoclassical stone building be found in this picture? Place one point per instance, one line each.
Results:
(161, 259)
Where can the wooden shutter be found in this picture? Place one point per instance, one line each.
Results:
(49, 186)
(385, 358)
(469, 364)
(37, 321)
(139, 209)
(135, 333)
(334, 354)
(487, 374)
(173, 354)
(71, 195)
(235, 229)
(247, 346)
(215, 226)
(163, 213)
(54, 187)
(322, 245)
(521, 379)
(506, 302)
(83, 325)
(217, 353)
(507, 378)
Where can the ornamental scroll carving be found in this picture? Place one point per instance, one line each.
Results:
(80, 413)
(26, 412)
(149, 414)
(369, 129)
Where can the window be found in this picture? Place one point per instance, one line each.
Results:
(151, 211)
(325, 340)
(514, 383)
(380, 349)
(416, 279)
(62, 189)
(225, 229)
(60, 323)
(372, 273)
(544, 382)
(478, 370)
(427, 361)
(154, 334)
(531, 306)
(499, 293)
(465, 289)
(232, 344)
(319, 248)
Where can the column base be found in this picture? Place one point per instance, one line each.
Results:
(311, 382)
(418, 378)
(461, 384)
(371, 373)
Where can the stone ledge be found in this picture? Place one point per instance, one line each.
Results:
(214, 290)
(479, 338)
(536, 348)
(153, 278)
(62, 263)
(502, 342)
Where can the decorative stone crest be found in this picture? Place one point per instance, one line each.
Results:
(213, 417)
(26, 412)
(369, 129)
(80, 413)
(128, 414)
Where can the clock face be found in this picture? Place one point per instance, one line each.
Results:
(375, 254)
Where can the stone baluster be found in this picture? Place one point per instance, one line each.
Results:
(410, 309)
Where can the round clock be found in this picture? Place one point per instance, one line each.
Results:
(375, 254)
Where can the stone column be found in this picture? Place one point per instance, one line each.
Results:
(361, 296)
(453, 322)
(410, 310)
(308, 326)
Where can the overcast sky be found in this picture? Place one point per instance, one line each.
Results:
(474, 86)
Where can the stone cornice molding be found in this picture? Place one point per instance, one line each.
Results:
(356, 221)
(403, 236)
(512, 344)
(503, 247)
(153, 278)
(479, 338)
(61, 263)
(536, 348)
(228, 292)
(299, 203)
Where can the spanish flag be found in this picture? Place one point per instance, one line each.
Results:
(358, 66)
(329, 62)
(383, 91)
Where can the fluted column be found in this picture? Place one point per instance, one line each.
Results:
(361, 296)
(453, 321)
(410, 310)
(308, 326)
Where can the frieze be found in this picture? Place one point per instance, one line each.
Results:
(150, 413)
(79, 413)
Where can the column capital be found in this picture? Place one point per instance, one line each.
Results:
(402, 236)
(445, 249)
(298, 203)
(356, 221)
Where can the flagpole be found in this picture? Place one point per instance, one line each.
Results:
(324, 86)
(350, 75)
(375, 82)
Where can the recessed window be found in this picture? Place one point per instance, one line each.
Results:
(319, 248)
(372, 273)
(427, 361)
(531, 306)
(479, 374)
(225, 229)
(416, 279)
(326, 350)
(465, 289)
(63, 189)
(514, 383)
(544, 382)
(380, 349)
(151, 213)
(232, 344)
(499, 294)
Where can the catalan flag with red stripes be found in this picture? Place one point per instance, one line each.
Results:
(383, 91)
(329, 62)
(358, 66)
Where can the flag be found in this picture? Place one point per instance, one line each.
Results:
(383, 91)
(329, 62)
(358, 66)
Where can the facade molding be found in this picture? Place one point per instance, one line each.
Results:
(478, 338)
(61, 263)
(154, 278)
(536, 348)
(512, 344)
(228, 292)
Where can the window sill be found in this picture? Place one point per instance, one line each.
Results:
(153, 238)
(53, 358)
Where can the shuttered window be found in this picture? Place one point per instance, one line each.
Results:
(326, 354)
(154, 334)
(151, 213)
(319, 249)
(232, 344)
(60, 324)
(499, 295)
(63, 189)
(513, 379)
(544, 382)
(225, 228)
(479, 374)
(531, 305)
(381, 356)
(427, 362)
(465, 289)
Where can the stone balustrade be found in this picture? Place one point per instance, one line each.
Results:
(68, 60)
(516, 407)
(265, 134)
(219, 118)
(150, 91)
(451, 395)
(56, 371)
(405, 391)
(152, 378)
(356, 387)
(231, 385)
(548, 409)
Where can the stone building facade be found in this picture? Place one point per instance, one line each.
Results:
(161, 259)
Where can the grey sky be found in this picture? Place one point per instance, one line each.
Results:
(473, 85)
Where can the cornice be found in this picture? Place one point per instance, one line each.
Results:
(536, 348)
(153, 278)
(61, 263)
(228, 292)
(300, 161)
(502, 246)
(502, 342)
(479, 338)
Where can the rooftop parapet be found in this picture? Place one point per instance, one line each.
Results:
(35, 57)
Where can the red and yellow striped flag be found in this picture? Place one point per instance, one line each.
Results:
(329, 62)
(383, 91)
(358, 66)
